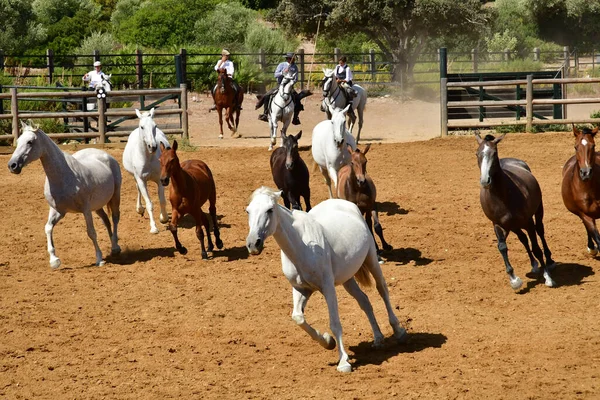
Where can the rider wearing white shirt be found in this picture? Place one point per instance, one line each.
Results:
(96, 76)
(226, 64)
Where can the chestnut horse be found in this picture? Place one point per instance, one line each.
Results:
(356, 186)
(581, 185)
(225, 98)
(290, 173)
(192, 185)
(510, 196)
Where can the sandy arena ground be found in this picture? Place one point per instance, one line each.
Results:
(153, 324)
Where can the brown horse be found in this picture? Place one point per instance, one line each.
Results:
(510, 196)
(225, 98)
(581, 185)
(356, 186)
(193, 184)
(290, 173)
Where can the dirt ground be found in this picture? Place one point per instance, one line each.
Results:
(152, 323)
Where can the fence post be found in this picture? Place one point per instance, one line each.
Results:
(536, 54)
(529, 105)
(183, 55)
(443, 58)
(139, 68)
(96, 55)
(337, 53)
(184, 107)
(474, 59)
(178, 69)
(444, 105)
(14, 110)
(300, 53)
(102, 120)
(506, 55)
(262, 61)
(1, 60)
(567, 62)
(373, 65)
(50, 64)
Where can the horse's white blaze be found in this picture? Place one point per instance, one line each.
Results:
(319, 250)
(141, 159)
(486, 164)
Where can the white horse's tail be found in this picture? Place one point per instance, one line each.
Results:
(363, 275)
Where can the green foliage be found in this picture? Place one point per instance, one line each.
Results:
(20, 30)
(501, 41)
(225, 26)
(260, 4)
(49, 12)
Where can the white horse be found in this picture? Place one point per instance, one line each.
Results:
(333, 92)
(83, 182)
(282, 107)
(329, 145)
(102, 88)
(328, 246)
(141, 159)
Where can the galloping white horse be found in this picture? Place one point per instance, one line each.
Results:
(83, 182)
(328, 246)
(102, 89)
(282, 107)
(141, 159)
(333, 92)
(329, 145)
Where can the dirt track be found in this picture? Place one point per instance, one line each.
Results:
(152, 323)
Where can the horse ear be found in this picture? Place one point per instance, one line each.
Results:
(479, 139)
(498, 139)
(138, 113)
(575, 131)
(367, 148)
(23, 125)
(594, 131)
(174, 145)
(152, 112)
(349, 148)
(345, 110)
(298, 135)
(162, 147)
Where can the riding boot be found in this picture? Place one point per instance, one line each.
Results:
(297, 108)
(266, 99)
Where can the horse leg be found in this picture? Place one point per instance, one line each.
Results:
(501, 234)
(164, 216)
(327, 180)
(200, 234)
(173, 228)
(114, 208)
(360, 111)
(335, 325)
(363, 301)
(286, 202)
(206, 224)
(379, 229)
(592, 231)
(375, 270)
(539, 227)
(212, 209)
(535, 266)
(53, 218)
(333, 175)
(89, 223)
(102, 214)
(300, 298)
(537, 251)
(591, 246)
(139, 207)
(273, 126)
(220, 112)
(306, 196)
(143, 189)
(370, 225)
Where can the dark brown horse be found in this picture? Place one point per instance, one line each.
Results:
(226, 98)
(290, 173)
(356, 186)
(581, 185)
(192, 185)
(510, 196)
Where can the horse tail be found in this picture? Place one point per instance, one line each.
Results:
(363, 276)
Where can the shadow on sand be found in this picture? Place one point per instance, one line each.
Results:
(391, 208)
(564, 274)
(406, 255)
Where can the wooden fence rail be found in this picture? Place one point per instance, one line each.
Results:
(529, 102)
(101, 113)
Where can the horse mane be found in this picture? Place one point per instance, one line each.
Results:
(489, 138)
(272, 193)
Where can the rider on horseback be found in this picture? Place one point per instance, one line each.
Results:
(226, 64)
(343, 76)
(95, 77)
(288, 66)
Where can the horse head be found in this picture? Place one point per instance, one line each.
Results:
(338, 121)
(585, 151)
(487, 158)
(290, 144)
(327, 82)
(103, 87)
(287, 83)
(262, 218)
(358, 164)
(169, 162)
(28, 148)
(147, 129)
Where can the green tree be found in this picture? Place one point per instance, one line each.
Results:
(400, 28)
(225, 26)
(19, 27)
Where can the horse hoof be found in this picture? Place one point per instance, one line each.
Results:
(54, 264)
(220, 136)
(345, 367)
(329, 341)
(550, 283)
(210, 248)
(592, 252)
(115, 251)
(387, 247)
(140, 211)
(219, 244)
(516, 283)
(182, 250)
(204, 255)
(270, 147)
(154, 230)
(401, 335)
(100, 263)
